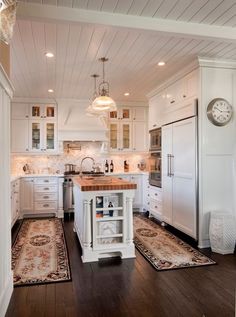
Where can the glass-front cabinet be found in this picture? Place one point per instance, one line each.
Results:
(121, 114)
(43, 111)
(42, 136)
(120, 136)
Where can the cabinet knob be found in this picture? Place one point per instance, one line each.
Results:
(45, 197)
(172, 101)
(148, 195)
(156, 194)
(46, 205)
(184, 96)
(46, 188)
(27, 149)
(134, 149)
(46, 181)
(134, 119)
(27, 116)
(154, 125)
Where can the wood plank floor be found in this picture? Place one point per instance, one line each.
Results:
(115, 288)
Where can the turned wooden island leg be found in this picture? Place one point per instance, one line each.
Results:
(87, 236)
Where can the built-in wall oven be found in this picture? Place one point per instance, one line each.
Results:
(155, 168)
(155, 140)
(155, 158)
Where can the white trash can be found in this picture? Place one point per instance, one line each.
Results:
(222, 232)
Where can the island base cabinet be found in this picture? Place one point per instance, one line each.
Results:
(104, 224)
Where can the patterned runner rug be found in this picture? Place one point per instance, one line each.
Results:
(39, 254)
(163, 249)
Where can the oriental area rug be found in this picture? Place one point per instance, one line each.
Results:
(39, 253)
(163, 249)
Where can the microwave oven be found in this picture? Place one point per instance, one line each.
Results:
(155, 139)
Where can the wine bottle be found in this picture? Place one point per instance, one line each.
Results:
(111, 167)
(106, 167)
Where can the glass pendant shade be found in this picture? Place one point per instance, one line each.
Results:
(103, 102)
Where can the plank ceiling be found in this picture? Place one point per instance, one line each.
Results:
(133, 54)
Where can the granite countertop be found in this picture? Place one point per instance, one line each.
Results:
(102, 183)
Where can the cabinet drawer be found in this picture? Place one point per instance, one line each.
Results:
(155, 194)
(155, 206)
(45, 206)
(45, 196)
(45, 188)
(45, 180)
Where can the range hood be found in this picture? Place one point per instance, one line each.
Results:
(75, 125)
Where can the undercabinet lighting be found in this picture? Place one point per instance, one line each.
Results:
(126, 94)
(50, 90)
(49, 54)
(161, 63)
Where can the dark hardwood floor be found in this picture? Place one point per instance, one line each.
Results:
(116, 288)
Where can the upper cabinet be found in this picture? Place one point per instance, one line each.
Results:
(175, 101)
(128, 129)
(34, 128)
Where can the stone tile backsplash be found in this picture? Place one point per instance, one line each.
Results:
(53, 163)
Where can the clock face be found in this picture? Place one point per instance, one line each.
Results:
(219, 111)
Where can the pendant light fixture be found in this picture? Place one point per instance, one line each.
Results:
(90, 111)
(103, 102)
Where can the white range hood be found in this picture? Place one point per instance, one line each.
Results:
(75, 125)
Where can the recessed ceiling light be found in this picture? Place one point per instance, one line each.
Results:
(50, 90)
(161, 63)
(126, 94)
(49, 54)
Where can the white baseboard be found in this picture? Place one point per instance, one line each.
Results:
(6, 295)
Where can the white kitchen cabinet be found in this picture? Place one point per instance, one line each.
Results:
(146, 192)
(121, 136)
(122, 113)
(19, 111)
(137, 179)
(37, 134)
(179, 178)
(19, 136)
(43, 111)
(42, 136)
(140, 142)
(155, 208)
(156, 106)
(40, 195)
(27, 195)
(127, 129)
(139, 114)
(15, 201)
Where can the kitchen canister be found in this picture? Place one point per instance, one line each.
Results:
(222, 232)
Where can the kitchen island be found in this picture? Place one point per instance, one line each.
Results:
(104, 217)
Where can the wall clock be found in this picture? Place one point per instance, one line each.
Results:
(219, 111)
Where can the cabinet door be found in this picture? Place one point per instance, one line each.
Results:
(184, 176)
(113, 115)
(139, 114)
(19, 136)
(36, 111)
(137, 179)
(139, 136)
(114, 136)
(191, 85)
(166, 177)
(27, 194)
(125, 136)
(50, 111)
(156, 106)
(125, 114)
(19, 110)
(50, 137)
(36, 136)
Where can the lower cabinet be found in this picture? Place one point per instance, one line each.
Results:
(137, 179)
(155, 202)
(15, 201)
(39, 195)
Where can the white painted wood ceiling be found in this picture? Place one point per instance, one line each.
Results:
(133, 54)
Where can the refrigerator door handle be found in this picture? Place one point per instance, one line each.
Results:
(171, 158)
(168, 165)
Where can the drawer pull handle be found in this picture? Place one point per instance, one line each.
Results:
(46, 188)
(46, 205)
(45, 197)
(46, 181)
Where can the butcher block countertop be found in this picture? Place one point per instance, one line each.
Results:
(102, 183)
